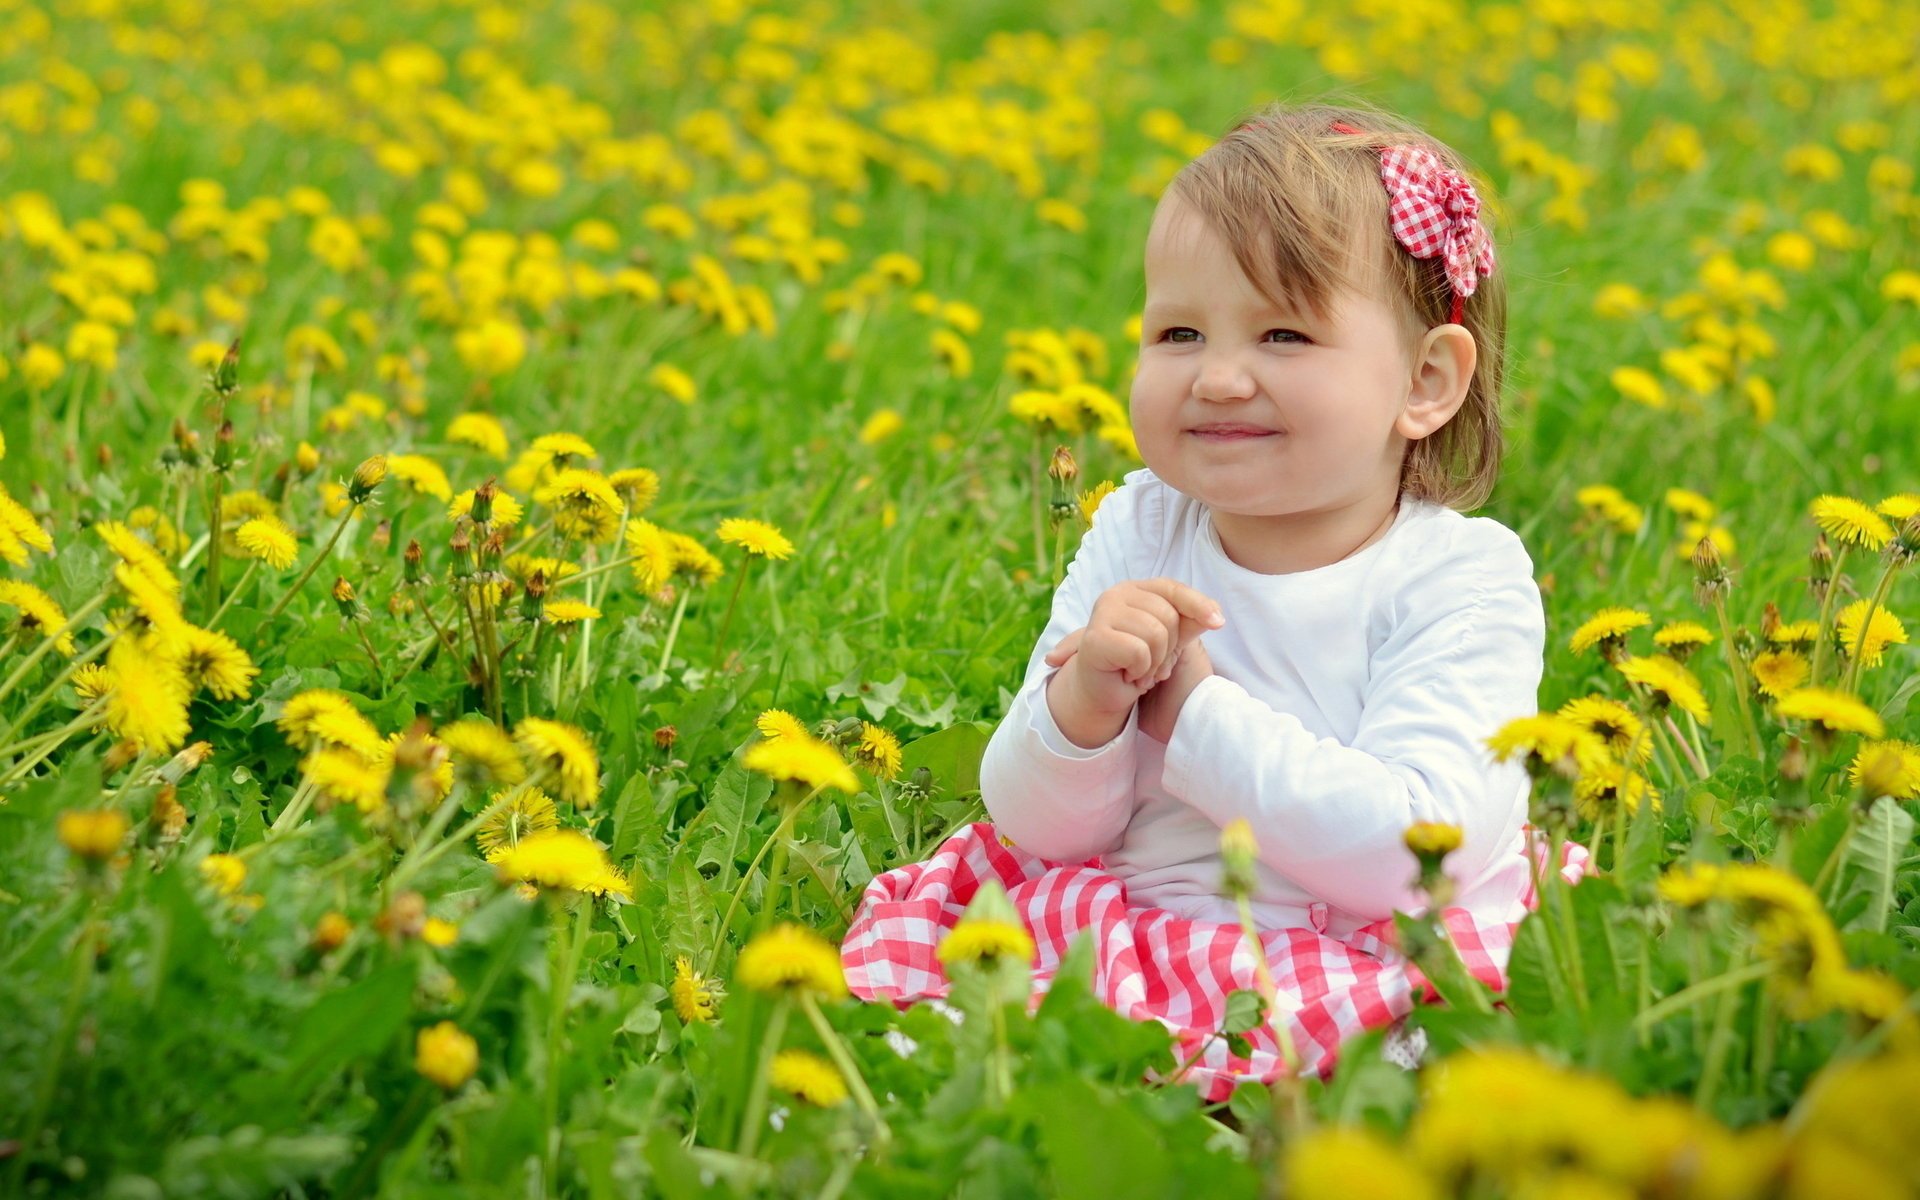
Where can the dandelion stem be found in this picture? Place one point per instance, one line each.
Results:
(1741, 687)
(70, 1012)
(1857, 657)
(1692, 755)
(47, 693)
(673, 629)
(1825, 633)
(296, 809)
(779, 832)
(1720, 1040)
(44, 744)
(1289, 1081)
(755, 1115)
(572, 940)
(1035, 473)
(843, 1059)
(313, 566)
(239, 589)
(423, 854)
(1687, 997)
(214, 545)
(726, 623)
(47, 643)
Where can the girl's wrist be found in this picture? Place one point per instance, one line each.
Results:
(1079, 717)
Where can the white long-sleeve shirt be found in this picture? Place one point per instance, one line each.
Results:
(1347, 702)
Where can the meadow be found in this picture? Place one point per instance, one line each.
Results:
(513, 515)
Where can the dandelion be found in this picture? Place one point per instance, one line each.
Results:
(212, 660)
(446, 1055)
(1239, 852)
(755, 537)
(421, 475)
(1046, 410)
(652, 556)
(148, 702)
(1890, 768)
(478, 748)
(531, 811)
(674, 382)
(1607, 629)
(562, 860)
(1777, 672)
(568, 612)
(38, 612)
(984, 939)
(1901, 508)
(804, 759)
(1604, 786)
(1832, 711)
(692, 559)
(777, 723)
(1794, 633)
(224, 873)
(881, 426)
(346, 776)
(565, 752)
(1669, 682)
(506, 510)
(694, 995)
(19, 532)
(878, 751)
(439, 933)
(1548, 742)
(93, 834)
(1639, 385)
(1614, 723)
(791, 957)
(1865, 639)
(1681, 638)
(269, 540)
(1605, 502)
(1090, 500)
(808, 1076)
(321, 716)
(638, 486)
(482, 431)
(138, 556)
(1850, 522)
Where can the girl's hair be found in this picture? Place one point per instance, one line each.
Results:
(1304, 209)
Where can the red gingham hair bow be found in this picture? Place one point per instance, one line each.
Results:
(1435, 211)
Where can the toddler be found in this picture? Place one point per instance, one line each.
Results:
(1281, 617)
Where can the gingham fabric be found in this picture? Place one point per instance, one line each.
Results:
(1435, 211)
(1152, 965)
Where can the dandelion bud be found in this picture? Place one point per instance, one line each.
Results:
(532, 601)
(664, 738)
(1063, 468)
(446, 1055)
(482, 510)
(846, 731)
(461, 542)
(404, 918)
(223, 447)
(306, 459)
(495, 546)
(120, 754)
(366, 477)
(1769, 620)
(343, 597)
(330, 932)
(93, 835)
(1710, 581)
(382, 535)
(186, 443)
(415, 758)
(167, 819)
(1881, 770)
(1238, 853)
(1905, 546)
(225, 378)
(410, 560)
(282, 479)
(1793, 760)
(103, 454)
(176, 768)
(1431, 842)
(1822, 559)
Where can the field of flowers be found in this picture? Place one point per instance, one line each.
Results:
(513, 514)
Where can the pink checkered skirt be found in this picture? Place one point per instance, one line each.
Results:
(1152, 965)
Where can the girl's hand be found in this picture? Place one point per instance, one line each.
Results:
(1133, 638)
(1160, 708)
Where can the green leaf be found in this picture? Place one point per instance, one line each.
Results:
(1128, 1157)
(733, 806)
(1246, 1011)
(952, 755)
(1873, 860)
(352, 1023)
(691, 921)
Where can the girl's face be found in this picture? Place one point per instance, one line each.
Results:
(1258, 411)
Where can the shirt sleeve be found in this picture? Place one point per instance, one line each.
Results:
(1056, 800)
(1466, 658)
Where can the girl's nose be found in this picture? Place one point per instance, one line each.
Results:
(1222, 376)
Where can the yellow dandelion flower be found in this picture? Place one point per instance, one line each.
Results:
(881, 426)
(878, 751)
(508, 824)
(421, 474)
(986, 939)
(1046, 410)
(638, 486)
(1639, 385)
(38, 612)
(137, 554)
(755, 537)
(1090, 499)
(153, 604)
(522, 567)
(693, 559)
(212, 660)
(579, 488)
(1547, 741)
(269, 540)
(439, 933)
(1607, 625)
(694, 995)
(1867, 639)
(93, 834)
(478, 747)
(506, 510)
(225, 873)
(1432, 839)
(1689, 885)
(1604, 785)
(1688, 634)
(1901, 508)
(91, 682)
(1669, 682)
(564, 860)
(674, 382)
(777, 723)
(1889, 768)
(1850, 522)
(652, 556)
(20, 532)
(324, 717)
(566, 754)
(1613, 722)
(446, 1055)
(1690, 505)
(1794, 633)
(808, 1076)
(791, 956)
(346, 776)
(148, 702)
(482, 431)
(568, 612)
(1777, 672)
(563, 446)
(1833, 710)
(805, 759)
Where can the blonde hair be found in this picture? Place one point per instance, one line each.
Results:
(1303, 208)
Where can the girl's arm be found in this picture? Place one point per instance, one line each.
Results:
(1054, 799)
(1329, 816)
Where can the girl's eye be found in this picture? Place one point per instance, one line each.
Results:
(1290, 334)
(1172, 335)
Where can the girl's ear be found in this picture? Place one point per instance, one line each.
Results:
(1442, 370)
